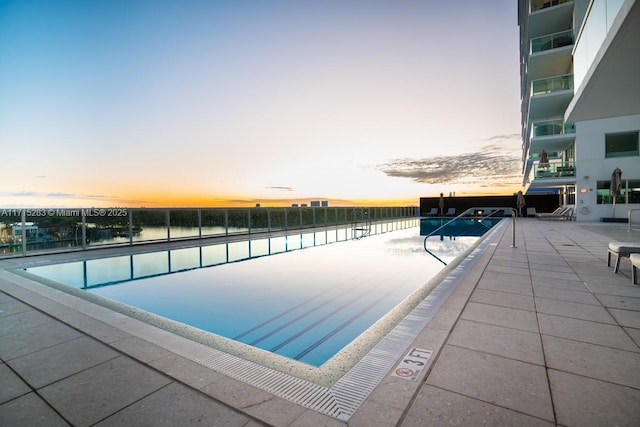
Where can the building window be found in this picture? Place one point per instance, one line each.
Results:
(624, 144)
(632, 189)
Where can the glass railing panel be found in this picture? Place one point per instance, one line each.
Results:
(51, 229)
(321, 237)
(552, 41)
(183, 223)
(10, 231)
(106, 226)
(307, 217)
(554, 170)
(278, 219)
(545, 4)
(293, 218)
(148, 224)
(552, 127)
(213, 222)
(238, 221)
(259, 220)
(552, 84)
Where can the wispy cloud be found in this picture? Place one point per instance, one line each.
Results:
(280, 188)
(495, 165)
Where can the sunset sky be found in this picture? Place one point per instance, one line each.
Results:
(238, 102)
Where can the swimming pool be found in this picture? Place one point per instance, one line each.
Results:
(305, 305)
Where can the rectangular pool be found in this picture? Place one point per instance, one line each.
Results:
(305, 305)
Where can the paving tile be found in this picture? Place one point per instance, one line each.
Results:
(140, 349)
(559, 276)
(36, 338)
(313, 418)
(96, 393)
(565, 295)
(189, 372)
(603, 363)
(575, 310)
(54, 363)
(504, 299)
(501, 316)
(500, 286)
(586, 331)
(12, 385)
(498, 340)
(614, 301)
(175, 405)
(625, 290)
(438, 407)
(22, 320)
(505, 382)
(29, 410)
(276, 411)
(10, 306)
(581, 401)
(375, 415)
(571, 285)
(628, 318)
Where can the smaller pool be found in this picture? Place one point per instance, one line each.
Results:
(305, 305)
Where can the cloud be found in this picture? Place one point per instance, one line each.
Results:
(280, 188)
(493, 166)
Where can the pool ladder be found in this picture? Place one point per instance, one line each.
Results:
(360, 224)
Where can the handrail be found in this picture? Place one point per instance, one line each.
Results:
(470, 210)
(629, 217)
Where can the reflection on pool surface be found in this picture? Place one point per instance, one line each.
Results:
(304, 304)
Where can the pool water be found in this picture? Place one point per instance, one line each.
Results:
(305, 304)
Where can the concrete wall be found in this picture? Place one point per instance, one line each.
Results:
(592, 166)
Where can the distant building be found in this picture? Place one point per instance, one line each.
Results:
(318, 203)
(580, 93)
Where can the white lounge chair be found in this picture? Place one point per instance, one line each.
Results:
(619, 250)
(451, 212)
(531, 211)
(562, 213)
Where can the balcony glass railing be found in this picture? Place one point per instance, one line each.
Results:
(552, 127)
(26, 231)
(552, 84)
(544, 4)
(552, 41)
(554, 170)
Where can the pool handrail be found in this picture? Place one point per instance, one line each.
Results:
(473, 210)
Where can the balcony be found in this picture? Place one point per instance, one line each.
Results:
(552, 41)
(544, 4)
(552, 127)
(550, 97)
(554, 170)
(552, 84)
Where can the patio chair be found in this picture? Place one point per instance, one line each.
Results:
(561, 214)
(451, 212)
(433, 212)
(619, 250)
(531, 211)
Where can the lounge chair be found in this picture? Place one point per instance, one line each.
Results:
(433, 212)
(531, 211)
(451, 212)
(562, 213)
(635, 266)
(619, 250)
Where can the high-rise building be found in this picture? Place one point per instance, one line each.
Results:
(580, 91)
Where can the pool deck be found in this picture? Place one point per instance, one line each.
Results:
(540, 334)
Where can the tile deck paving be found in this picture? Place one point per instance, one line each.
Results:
(540, 334)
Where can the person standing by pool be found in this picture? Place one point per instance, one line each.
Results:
(520, 202)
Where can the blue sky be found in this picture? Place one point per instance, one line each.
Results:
(157, 103)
